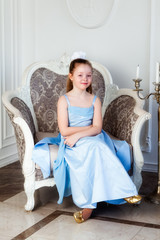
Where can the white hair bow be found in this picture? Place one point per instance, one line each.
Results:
(80, 54)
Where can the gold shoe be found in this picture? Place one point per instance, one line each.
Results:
(78, 217)
(134, 199)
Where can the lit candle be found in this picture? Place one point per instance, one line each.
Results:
(137, 73)
(157, 72)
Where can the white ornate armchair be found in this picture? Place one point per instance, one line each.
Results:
(32, 111)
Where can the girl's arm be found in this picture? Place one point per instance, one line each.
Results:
(95, 129)
(62, 114)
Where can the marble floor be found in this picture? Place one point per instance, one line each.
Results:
(52, 221)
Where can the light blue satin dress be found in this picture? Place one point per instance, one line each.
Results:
(93, 170)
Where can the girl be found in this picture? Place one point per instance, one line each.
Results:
(87, 165)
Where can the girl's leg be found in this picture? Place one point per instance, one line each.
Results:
(86, 213)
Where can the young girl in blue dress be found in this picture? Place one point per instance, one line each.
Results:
(90, 165)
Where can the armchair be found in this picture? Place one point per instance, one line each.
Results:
(32, 111)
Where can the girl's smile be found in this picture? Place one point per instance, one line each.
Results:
(85, 83)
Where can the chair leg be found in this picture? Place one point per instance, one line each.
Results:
(137, 178)
(29, 187)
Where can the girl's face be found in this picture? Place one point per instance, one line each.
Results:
(82, 76)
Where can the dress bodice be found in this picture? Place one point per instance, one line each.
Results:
(80, 116)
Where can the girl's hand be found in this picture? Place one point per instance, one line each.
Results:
(71, 140)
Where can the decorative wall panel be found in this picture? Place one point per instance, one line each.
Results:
(10, 59)
(92, 14)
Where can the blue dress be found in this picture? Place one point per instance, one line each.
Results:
(93, 170)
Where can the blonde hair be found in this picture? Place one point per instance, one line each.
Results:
(72, 66)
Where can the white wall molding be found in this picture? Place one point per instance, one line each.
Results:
(8, 159)
(2, 66)
(10, 66)
(151, 159)
(86, 15)
(150, 167)
(14, 43)
(152, 65)
(147, 146)
(14, 51)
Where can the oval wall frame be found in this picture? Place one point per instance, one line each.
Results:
(92, 13)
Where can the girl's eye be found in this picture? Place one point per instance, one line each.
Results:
(80, 75)
(88, 75)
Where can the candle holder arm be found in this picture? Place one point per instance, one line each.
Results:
(146, 97)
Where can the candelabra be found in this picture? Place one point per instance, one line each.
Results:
(155, 196)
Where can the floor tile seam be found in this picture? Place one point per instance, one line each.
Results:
(129, 222)
(37, 226)
(136, 234)
(11, 196)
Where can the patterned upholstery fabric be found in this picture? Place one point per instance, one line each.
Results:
(25, 111)
(38, 174)
(98, 85)
(119, 118)
(46, 88)
(19, 138)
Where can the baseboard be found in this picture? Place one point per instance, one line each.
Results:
(8, 160)
(149, 167)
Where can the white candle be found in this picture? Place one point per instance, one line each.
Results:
(157, 72)
(137, 73)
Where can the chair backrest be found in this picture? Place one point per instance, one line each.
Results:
(46, 82)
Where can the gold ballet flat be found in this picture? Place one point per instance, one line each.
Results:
(78, 217)
(134, 199)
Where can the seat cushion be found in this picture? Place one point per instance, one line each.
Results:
(53, 153)
(40, 135)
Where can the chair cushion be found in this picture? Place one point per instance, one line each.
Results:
(53, 153)
(40, 135)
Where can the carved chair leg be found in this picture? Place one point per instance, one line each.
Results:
(29, 187)
(137, 178)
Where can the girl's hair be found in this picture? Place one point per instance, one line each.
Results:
(72, 66)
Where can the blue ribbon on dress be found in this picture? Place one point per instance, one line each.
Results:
(41, 156)
(61, 173)
(121, 149)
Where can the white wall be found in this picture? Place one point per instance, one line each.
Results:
(47, 30)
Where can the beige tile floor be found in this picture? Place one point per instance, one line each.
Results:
(52, 221)
(63, 228)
